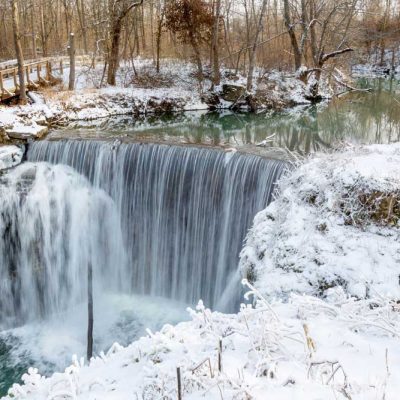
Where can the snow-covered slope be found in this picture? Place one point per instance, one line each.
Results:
(336, 222)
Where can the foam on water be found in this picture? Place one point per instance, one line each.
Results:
(49, 344)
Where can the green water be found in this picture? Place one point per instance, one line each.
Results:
(359, 117)
(12, 368)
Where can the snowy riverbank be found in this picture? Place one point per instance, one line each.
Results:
(324, 257)
(144, 92)
(375, 64)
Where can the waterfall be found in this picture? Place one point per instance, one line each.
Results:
(184, 211)
(52, 225)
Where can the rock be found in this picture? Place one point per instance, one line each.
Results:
(10, 156)
(231, 75)
(264, 100)
(3, 135)
(162, 106)
(157, 106)
(211, 99)
(253, 102)
(25, 132)
(232, 93)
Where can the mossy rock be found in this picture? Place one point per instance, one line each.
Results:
(232, 93)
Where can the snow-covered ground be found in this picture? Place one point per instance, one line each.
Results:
(306, 348)
(324, 258)
(24, 122)
(376, 65)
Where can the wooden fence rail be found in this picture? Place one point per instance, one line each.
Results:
(37, 73)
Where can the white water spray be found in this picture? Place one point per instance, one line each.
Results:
(52, 224)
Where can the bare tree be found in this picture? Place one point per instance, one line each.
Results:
(33, 31)
(18, 50)
(253, 50)
(192, 21)
(80, 8)
(291, 31)
(215, 43)
(160, 23)
(321, 26)
(72, 52)
(118, 10)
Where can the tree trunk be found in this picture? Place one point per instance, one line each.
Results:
(80, 7)
(117, 14)
(215, 45)
(197, 56)
(18, 50)
(43, 33)
(314, 86)
(90, 312)
(34, 53)
(293, 40)
(71, 49)
(315, 48)
(158, 39)
(252, 58)
(113, 60)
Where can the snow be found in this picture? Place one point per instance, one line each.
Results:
(10, 156)
(22, 131)
(27, 122)
(49, 343)
(316, 234)
(305, 348)
(369, 65)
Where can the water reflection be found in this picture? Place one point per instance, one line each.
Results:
(361, 117)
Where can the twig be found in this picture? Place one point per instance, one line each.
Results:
(178, 374)
(220, 355)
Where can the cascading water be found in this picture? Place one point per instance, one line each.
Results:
(184, 213)
(161, 226)
(52, 225)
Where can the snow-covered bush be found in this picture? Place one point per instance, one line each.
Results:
(335, 223)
